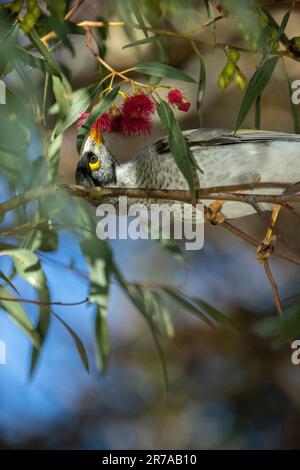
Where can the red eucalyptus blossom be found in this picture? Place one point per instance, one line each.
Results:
(134, 126)
(178, 100)
(133, 118)
(139, 105)
(104, 123)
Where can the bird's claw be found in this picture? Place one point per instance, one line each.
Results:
(266, 248)
(214, 214)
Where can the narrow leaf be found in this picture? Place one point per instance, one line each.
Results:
(178, 146)
(33, 61)
(97, 111)
(19, 316)
(45, 53)
(140, 42)
(255, 88)
(133, 4)
(257, 112)
(101, 338)
(8, 281)
(78, 343)
(163, 71)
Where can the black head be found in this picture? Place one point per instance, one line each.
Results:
(96, 166)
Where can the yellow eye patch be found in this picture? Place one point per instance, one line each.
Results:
(94, 166)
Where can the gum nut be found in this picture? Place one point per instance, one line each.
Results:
(234, 55)
(241, 81)
(222, 83)
(229, 70)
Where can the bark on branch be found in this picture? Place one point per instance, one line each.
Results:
(226, 193)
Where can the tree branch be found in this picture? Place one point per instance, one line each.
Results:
(95, 195)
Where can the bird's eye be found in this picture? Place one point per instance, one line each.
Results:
(94, 163)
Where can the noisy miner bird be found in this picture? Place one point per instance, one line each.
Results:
(225, 158)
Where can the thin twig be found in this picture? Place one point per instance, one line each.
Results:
(274, 287)
(38, 302)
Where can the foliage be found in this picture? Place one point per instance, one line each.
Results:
(31, 34)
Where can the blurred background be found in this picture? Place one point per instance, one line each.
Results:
(225, 390)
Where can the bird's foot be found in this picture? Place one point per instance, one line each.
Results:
(214, 214)
(266, 248)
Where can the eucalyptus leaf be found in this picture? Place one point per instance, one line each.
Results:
(178, 146)
(16, 312)
(8, 281)
(137, 297)
(133, 4)
(163, 71)
(32, 61)
(97, 111)
(98, 257)
(29, 268)
(77, 341)
(255, 88)
(80, 101)
(45, 53)
(141, 42)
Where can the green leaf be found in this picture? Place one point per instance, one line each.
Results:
(186, 303)
(172, 247)
(19, 316)
(53, 158)
(215, 314)
(178, 146)
(202, 309)
(101, 338)
(7, 48)
(32, 61)
(29, 268)
(201, 84)
(137, 296)
(61, 27)
(45, 53)
(140, 42)
(63, 94)
(100, 108)
(163, 314)
(257, 112)
(98, 257)
(97, 111)
(8, 281)
(133, 4)
(163, 71)
(255, 88)
(211, 16)
(80, 101)
(78, 343)
(281, 329)
(282, 36)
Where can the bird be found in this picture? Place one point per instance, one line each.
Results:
(224, 158)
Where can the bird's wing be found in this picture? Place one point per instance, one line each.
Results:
(215, 137)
